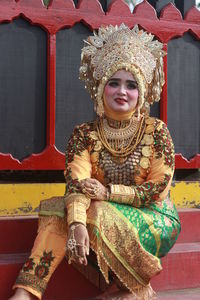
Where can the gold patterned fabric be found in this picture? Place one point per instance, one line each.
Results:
(130, 232)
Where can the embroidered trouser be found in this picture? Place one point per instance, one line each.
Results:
(48, 251)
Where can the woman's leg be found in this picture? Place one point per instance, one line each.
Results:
(48, 251)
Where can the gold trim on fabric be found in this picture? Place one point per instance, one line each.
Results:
(139, 279)
(52, 206)
(125, 258)
(142, 292)
(153, 230)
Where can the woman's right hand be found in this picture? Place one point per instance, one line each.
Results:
(82, 240)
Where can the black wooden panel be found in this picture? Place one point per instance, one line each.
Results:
(73, 104)
(184, 5)
(104, 3)
(184, 94)
(22, 89)
(160, 4)
(155, 110)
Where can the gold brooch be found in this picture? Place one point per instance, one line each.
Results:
(146, 151)
(144, 163)
(98, 146)
(148, 139)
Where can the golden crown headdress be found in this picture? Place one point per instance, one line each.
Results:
(114, 48)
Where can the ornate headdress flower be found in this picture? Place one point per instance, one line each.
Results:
(114, 48)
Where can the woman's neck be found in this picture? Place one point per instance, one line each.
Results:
(118, 124)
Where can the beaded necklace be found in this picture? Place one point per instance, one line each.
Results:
(121, 142)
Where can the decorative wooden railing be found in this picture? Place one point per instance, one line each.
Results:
(63, 13)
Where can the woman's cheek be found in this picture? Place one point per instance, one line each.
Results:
(108, 91)
(134, 94)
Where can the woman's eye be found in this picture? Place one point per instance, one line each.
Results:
(113, 83)
(132, 86)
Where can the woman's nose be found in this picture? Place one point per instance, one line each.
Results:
(122, 89)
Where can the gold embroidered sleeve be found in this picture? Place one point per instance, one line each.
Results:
(158, 182)
(78, 167)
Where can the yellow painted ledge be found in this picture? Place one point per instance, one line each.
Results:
(24, 199)
(186, 194)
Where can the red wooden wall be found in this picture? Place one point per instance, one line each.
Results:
(63, 13)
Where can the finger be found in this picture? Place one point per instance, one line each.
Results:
(82, 255)
(90, 190)
(83, 182)
(86, 184)
(87, 244)
(91, 181)
(89, 184)
(82, 261)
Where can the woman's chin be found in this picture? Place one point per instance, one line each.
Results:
(121, 109)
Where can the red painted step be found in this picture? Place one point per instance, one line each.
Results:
(18, 233)
(190, 223)
(66, 282)
(181, 268)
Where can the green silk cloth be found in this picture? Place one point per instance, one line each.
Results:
(158, 225)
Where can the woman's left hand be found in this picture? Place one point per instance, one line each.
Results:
(94, 189)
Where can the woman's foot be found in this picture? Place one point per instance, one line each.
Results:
(119, 295)
(22, 294)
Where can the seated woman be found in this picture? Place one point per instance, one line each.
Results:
(119, 170)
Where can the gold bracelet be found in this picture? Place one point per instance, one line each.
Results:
(76, 212)
(122, 194)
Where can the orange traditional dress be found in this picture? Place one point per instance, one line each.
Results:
(127, 238)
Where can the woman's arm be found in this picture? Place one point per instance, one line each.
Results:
(78, 167)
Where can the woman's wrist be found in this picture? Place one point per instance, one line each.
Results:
(75, 224)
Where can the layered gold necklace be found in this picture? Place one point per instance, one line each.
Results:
(121, 142)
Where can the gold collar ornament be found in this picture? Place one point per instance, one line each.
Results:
(113, 48)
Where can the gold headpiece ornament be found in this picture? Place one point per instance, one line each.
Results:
(114, 48)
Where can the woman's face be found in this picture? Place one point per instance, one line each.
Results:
(121, 92)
